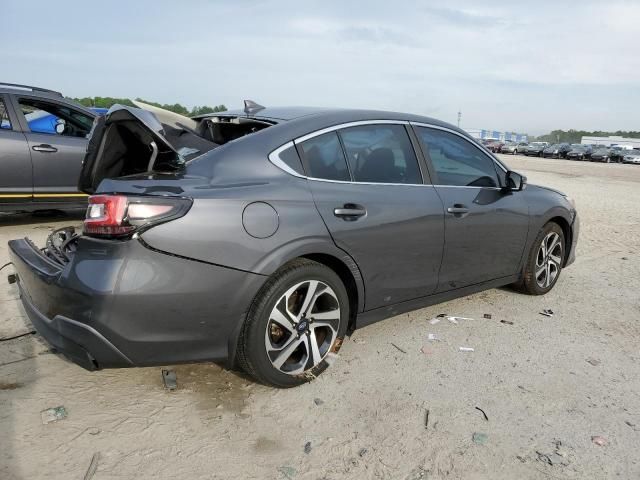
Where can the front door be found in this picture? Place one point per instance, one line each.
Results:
(485, 227)
(367, 185)
(15, 161)
(57, 138)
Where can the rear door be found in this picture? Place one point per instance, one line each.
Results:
(368, 187)
(56, 155)
(15, 161)
(485, 227)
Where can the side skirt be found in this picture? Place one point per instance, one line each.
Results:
(373, 316)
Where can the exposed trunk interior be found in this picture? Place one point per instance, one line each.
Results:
(129, 141)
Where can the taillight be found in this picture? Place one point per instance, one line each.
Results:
(121, 216)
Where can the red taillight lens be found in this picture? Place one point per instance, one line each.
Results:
(119, 215)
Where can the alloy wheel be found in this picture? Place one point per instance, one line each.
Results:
(548, 260)
(302, 327)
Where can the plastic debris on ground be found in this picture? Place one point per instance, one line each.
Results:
(93, 466)
(287, 472)
(169, 379)
(433, 337)
(318, 401)
(487, 316)
(598, 440)
(398, 348)
(467, 349)
(479, 438)
(425, 350)
(307, 447)
(547, 312)
(483, 414)
(362, 452)
(508, 322)
(53, 414)
(593, 361)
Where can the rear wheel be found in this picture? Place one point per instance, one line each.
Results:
(297, 320)
(544, 263)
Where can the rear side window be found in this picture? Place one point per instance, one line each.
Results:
(456, 161)
(380, 153)
(291, 159)
(5, 123)
(323, 157)
(42, 117)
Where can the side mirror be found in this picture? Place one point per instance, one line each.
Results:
(515, 181)
(60, 126)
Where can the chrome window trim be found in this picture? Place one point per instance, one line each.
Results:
(347, 125)
(274, 156)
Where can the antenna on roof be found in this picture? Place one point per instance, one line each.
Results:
(251, 107)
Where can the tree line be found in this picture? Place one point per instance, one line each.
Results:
(107, 102)
(575, 136)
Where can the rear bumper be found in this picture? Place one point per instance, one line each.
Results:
(121, 304)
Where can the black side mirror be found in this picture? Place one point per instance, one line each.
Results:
(515, 181)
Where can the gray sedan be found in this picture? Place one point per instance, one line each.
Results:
(263, 237)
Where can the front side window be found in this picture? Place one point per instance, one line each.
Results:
(380, 153)
(323, 157)
(5, 122)
(54, 119)
(456, 161)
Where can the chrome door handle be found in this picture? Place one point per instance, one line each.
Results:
(458, 209)
(350, 212)
(44, 148)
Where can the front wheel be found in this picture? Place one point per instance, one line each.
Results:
(297, 320)
(544, 263)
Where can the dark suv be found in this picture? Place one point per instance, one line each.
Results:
(43, 139)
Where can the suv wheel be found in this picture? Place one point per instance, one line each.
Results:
(297, 320)
(544, 263)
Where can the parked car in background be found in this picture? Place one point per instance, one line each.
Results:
(266, 251)
(494, 145)
(535, 149)
(513, 147)
(558, 150)
(617, 153)
(631, 156)
(579, 152)
(43, 140)
(601, 154)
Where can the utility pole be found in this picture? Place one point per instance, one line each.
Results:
(459, 117)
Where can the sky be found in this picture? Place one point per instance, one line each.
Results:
(528, 67)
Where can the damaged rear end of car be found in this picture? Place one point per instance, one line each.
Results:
(104, 297)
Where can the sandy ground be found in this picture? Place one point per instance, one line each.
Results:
(547, 385)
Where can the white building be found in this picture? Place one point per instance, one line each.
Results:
(496, 135)
(613, 140)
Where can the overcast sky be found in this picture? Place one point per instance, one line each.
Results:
(507, 65)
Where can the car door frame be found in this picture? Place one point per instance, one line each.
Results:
(500, 171)
(17, 126)
(46, 197)
(425, 175)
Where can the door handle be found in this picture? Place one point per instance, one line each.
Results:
(350, 211)
(44, 148)
(458, 209)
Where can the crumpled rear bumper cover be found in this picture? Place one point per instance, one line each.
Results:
(121, 304)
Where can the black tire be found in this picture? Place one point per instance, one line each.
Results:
(252, 352)
(530, 284)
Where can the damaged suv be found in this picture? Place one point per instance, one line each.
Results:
(261, 238)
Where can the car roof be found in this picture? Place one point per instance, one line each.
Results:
(32, 91)
(313, 118)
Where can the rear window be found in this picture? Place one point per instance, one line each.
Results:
(323, 157)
